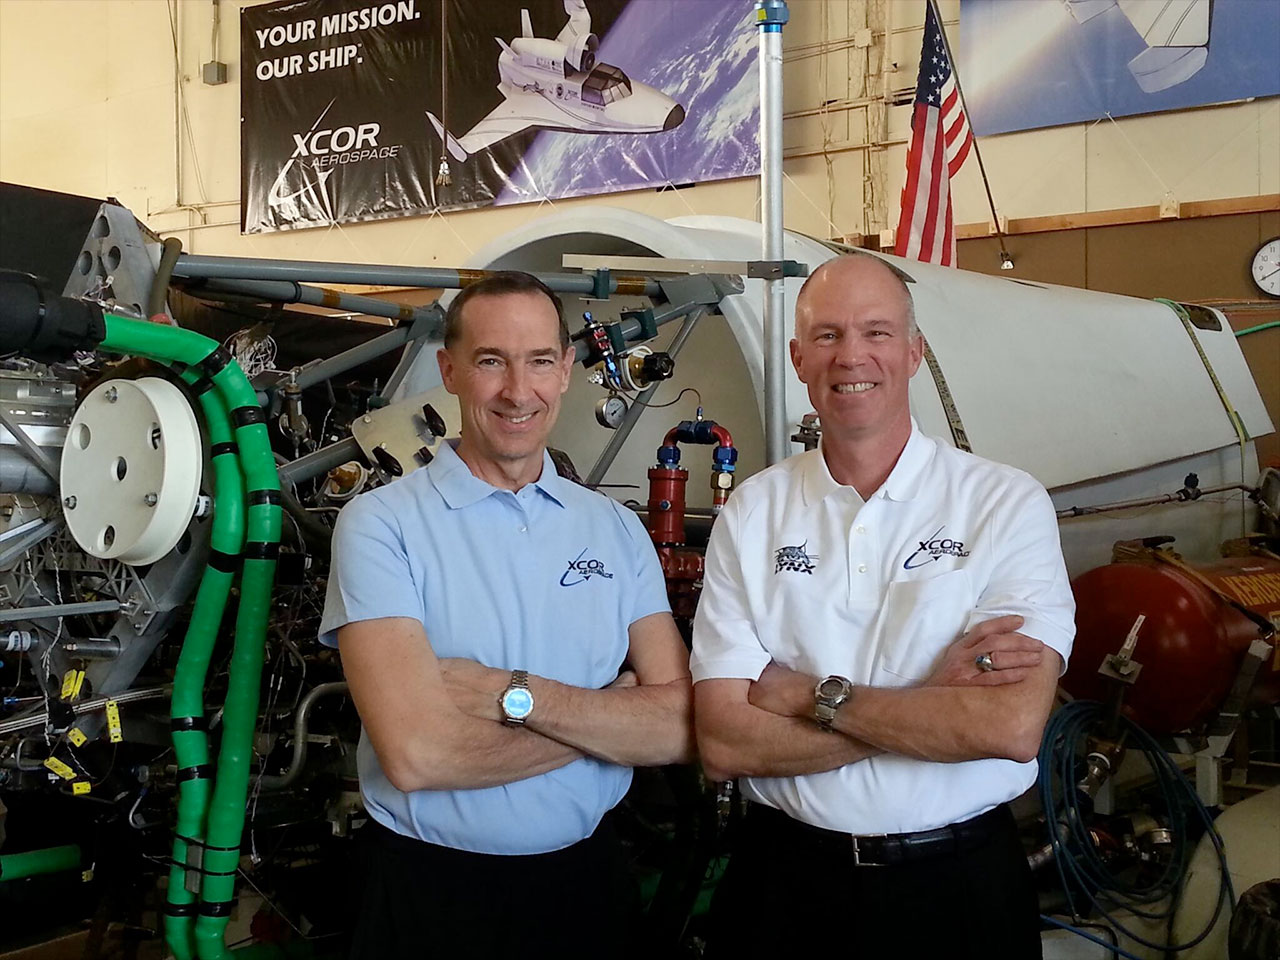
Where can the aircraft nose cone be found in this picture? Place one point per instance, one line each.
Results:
(674, 118)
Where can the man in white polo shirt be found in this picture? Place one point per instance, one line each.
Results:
(876, 650)
(484, 608)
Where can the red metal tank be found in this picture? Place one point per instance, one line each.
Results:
(1191, 644)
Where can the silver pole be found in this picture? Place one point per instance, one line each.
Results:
(771, 15)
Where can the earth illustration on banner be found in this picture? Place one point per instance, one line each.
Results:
(658, 43)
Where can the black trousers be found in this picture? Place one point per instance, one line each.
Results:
(418, 900)
(791, 891)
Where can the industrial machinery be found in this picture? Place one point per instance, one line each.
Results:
(164, 461)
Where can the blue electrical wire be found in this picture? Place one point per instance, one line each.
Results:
(1080, 866)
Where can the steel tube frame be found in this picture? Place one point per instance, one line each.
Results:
(320, 461)
(58, 610)
(771, 16)
(287, 291)
(33, 450)
(242, 268)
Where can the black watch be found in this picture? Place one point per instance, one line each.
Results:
(828, 694)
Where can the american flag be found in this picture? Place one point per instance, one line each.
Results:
(940, 142)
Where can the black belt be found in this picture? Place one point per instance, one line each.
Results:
(884, 849)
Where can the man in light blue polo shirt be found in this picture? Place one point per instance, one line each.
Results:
(485, 608)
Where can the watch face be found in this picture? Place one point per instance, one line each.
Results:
(1266, 268)
(831, 687)
(517, 703)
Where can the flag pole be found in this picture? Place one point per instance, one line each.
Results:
(1006, 261)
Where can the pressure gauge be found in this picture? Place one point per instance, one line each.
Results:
(1266, 268)
(610, 411)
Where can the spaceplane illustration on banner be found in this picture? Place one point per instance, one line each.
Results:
(353, 111)
(558, 85)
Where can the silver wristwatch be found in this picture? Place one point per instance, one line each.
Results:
(517, 700)
(828, 694)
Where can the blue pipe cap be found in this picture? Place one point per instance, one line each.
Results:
(772, 13)
(724, 458)
(668, 456)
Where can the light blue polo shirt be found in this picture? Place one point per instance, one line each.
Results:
(547, 579)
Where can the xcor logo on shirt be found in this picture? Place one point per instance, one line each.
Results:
(794, 559)
(582, 569)
(934, 548)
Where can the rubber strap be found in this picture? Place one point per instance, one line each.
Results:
(201, 771)
(254, 550)
(247, 416)
(201, 385)
(213, 364)
(224, 562)
(178, 724)
(264, 497)
(222, 449)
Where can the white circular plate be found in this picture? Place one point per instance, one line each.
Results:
(132, 463)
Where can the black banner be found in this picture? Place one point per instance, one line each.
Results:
(350, 112)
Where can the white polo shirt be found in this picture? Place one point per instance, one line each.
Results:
(802, 571)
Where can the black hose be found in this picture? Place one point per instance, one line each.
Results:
(38, 323)
(160, 285)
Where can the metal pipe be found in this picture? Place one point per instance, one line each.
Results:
(1177, 497)
(243, 268)
(320, 461)
(300, 734)
(771, 15)
(58, 610)
(91, 648)
(638, 406)
(385, 343)
(29, 446)
(14, 543)
(19, 475)
(287, 291)
(85, 706)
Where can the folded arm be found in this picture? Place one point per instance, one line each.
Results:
(422, 739)
(640, 724)
(766, 728)
(958, 713)
(737, 738)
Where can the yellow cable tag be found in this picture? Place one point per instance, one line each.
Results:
(75, 693)
(86, 876)
(69, 684)
(80, 787)
(114, 733)
(77, 737)
(60, 768)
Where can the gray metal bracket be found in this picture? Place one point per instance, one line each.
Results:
(117, 263)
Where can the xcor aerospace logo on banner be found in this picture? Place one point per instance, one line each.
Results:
(317, 152)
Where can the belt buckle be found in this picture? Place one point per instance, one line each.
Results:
(857, 853)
